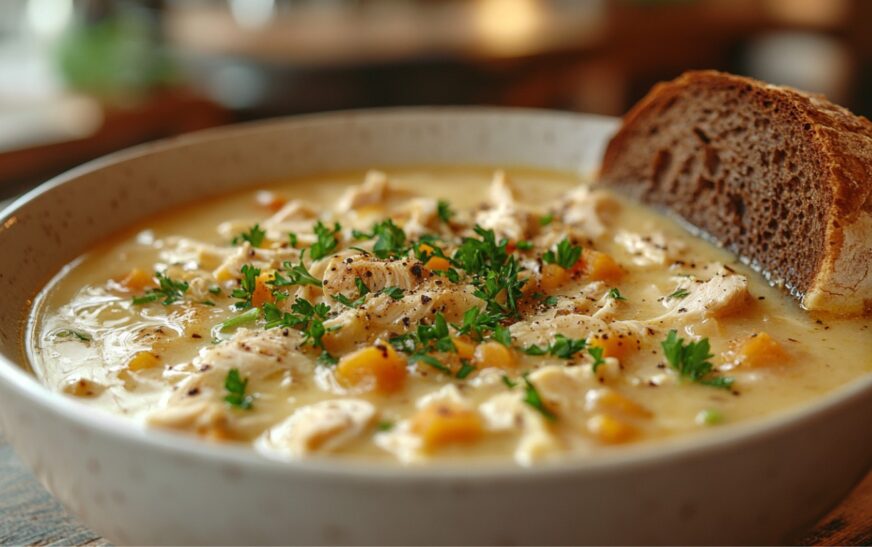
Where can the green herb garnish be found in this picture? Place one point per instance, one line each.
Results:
(691, 360)
(679, 293)
(545, 220)
(235, 386)
(362, 291)
(394, 292)
(247, 284)
(171, 290)
(532, 398)
(562, 347)
(255, 235)
(597, 353)
(443, 209)
(69, 333)
(566, 256)
(246, 317)
(616, 294)
(465, 369)
(325, 240)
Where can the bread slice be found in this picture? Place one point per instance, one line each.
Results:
(780, 177)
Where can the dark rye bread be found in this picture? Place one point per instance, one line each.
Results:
(780, 177)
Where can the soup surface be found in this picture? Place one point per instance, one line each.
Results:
(431, 314)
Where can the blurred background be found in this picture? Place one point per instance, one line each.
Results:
(81, 78)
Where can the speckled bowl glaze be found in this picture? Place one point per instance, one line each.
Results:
(753, 483)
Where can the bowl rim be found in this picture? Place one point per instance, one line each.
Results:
(172, 443)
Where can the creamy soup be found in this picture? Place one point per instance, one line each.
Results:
(430, 314)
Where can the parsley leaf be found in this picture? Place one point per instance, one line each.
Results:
(362, 291)
(502, 335)
(616, 294)
(255, 235)
(550, 301)
(390, 239)
(532, 398)
(566, 256)
(562, 347)
(691, 360)
(67, 333)
(297, 274)
(443, 209)
(477, 322)
(679, 293)
(235, 386)
(429, 360)
(292, 239)
(394, 292)
(597, 353)
(546, 219)
(247, 285)
(325, 240)
(508, 381)
(524, 245)
(465, 369)
(304, 316)
(171, 290)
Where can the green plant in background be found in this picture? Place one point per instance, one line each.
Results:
(113, 52)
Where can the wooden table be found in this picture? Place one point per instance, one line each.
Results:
(29, 515)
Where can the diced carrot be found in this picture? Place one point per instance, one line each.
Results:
(761, 350)
(437, 263)
(614, 345)
(611, 400)
(494, 354)
(600, 266)
(377, 367)
(439, 424)
(609, 429)
(262, 293)
(425, 249)
(143, 360)
(465, 348)
(553, 276)
(137, 280)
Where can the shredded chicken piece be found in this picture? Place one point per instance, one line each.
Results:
(197, 402)
(264, 259)
(507, 413)
(725, 293)
(541, 329)
(373, 191)
(191, 253)
(341, 274)
(318, 428)
(504, 215)
(382, 316)
(651, 249)
(589, 211)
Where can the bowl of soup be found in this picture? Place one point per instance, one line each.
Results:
(410, 326)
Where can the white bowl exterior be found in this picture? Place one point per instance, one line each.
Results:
(747, 484)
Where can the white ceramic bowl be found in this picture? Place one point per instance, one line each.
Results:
(752, 483)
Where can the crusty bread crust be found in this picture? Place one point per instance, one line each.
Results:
(780, 177)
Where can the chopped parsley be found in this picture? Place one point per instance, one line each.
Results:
(70, 333)
(465, 369)
(502, 335)
(304, 316)
(170, 290)
(390, 239)
(443, 209)
(384, 425)
(292, 239)
(235, 386)
(508, 381)
(477, 323)
(562, 347)
(566, 256)
(532, 398)
(255, 235)
(296, 274)
(597, 353)
(247, 285)
(362, 291)
(679, 294)
(246, 317)
(215, 289)
(524, 245)
(394, 292)
(325, 240)
(691, 361)
(616, 294)
(545, 220)
(327, 359)
(429, 360)
(550, 301)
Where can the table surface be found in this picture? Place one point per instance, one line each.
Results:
(29, 515)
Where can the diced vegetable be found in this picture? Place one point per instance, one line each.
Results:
(437, 263)
(553, 276)
(600, 266)
(609, 429)
(379, 368)
(762, 350)
(613, 345)
(137, 280)
(440, 424)
(465, 348)
(262, 293)
(494, 354)
(613, 401)
(143, 360)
